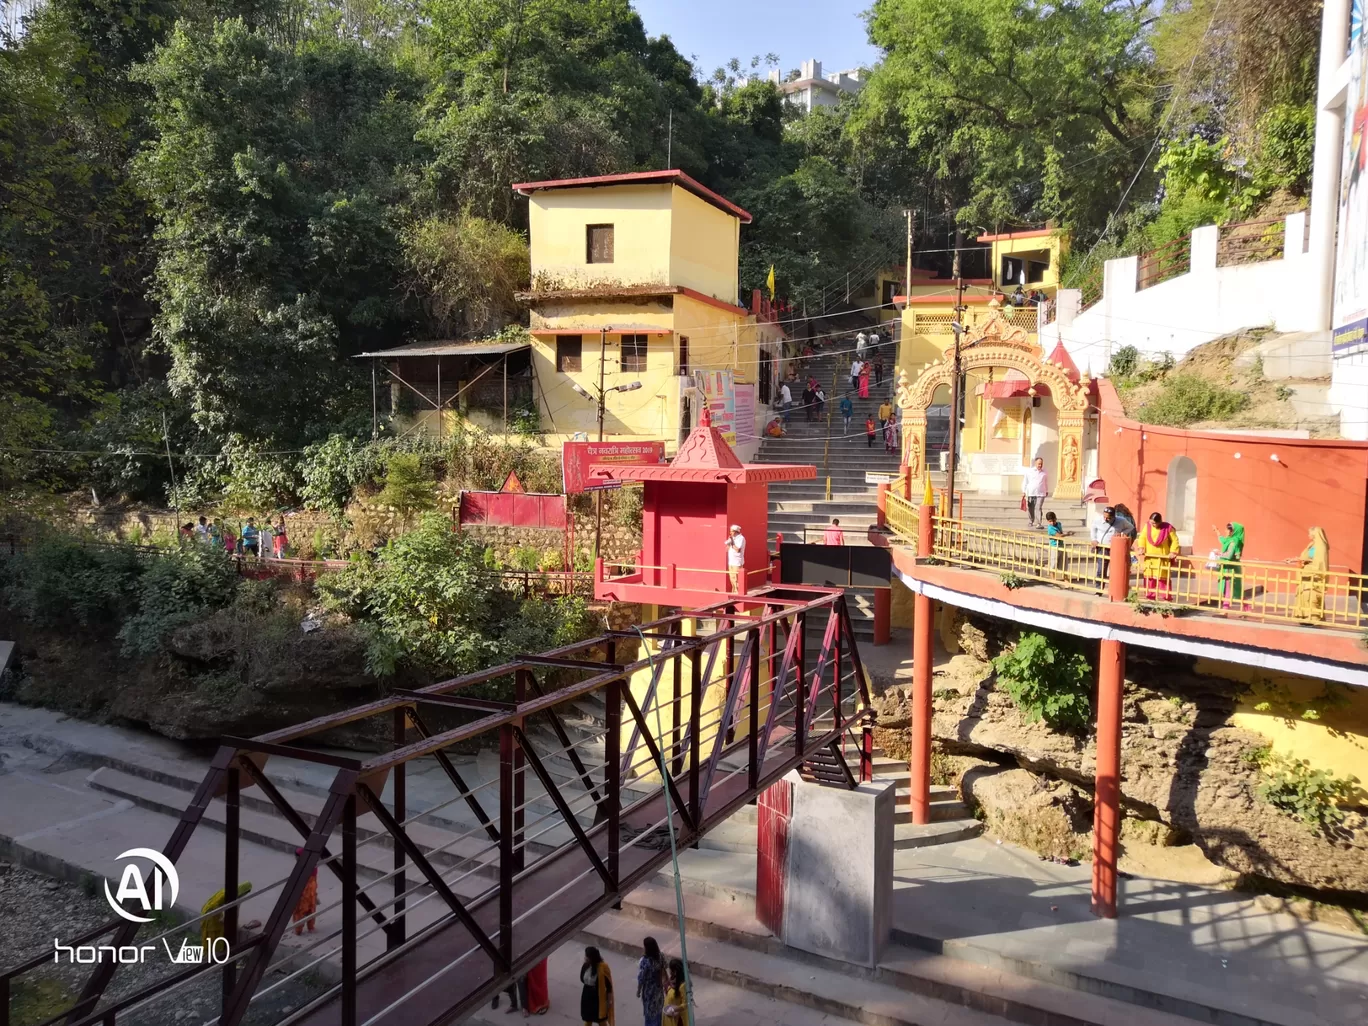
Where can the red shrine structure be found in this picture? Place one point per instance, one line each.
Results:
(689, 506)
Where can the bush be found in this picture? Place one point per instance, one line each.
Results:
(1313, 796)
(1048, 680)
(526, 557)
(60, 581)
(1187, 398)
(1123, 362)
(429, 600)
(408, 490)
(176, 589)
(331, 471)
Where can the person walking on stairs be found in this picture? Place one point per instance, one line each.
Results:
(869, 432)
(1035, 486)
(833, 535)
(855, 366)
(847, 411)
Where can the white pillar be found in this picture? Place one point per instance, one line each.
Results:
(1329, 150)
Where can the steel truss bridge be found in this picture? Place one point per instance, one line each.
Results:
(452, 917)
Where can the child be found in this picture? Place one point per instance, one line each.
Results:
(1055, 532)
(676, 1001)
(869, 432)
(279, 539)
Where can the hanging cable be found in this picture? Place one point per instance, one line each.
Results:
(669, 822)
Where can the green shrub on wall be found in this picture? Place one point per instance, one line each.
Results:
(1048, 680)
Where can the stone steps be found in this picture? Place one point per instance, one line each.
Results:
(727, 943)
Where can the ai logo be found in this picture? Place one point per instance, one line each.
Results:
(134, 885)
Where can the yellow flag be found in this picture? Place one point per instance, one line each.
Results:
(770, 282)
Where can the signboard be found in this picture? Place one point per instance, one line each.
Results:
(745, 412)
(877, 477)
(719, 388)
(578, 457)
(995, 463)
(1351, 257)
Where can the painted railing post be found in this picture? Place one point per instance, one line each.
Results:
(881, 506)
(598, 570)
(670, 575)
(920, 763)
(1111, 673)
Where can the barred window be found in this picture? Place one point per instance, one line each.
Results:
(568, 350)
(633, 353)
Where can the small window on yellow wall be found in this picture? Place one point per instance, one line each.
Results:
(598, 244)
(568, 350)
(633, 353)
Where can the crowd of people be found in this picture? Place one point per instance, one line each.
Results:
(660, 987)
(268, 541)
(811, 396)
(1156, 550)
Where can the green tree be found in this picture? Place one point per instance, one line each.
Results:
(1021, 109)
(408, 489)
(278, 177)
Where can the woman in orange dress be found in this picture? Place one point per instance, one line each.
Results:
(307, 904)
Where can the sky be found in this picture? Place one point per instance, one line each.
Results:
(711, 32)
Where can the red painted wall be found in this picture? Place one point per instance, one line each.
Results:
(748, 505)
(773, 813)
(685, 524)
(1313, 483)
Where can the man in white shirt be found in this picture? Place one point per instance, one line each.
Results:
(1102, 532)
(860, 343)
(736, 560)
(785, 401)
(855, 367)
(1035, 485)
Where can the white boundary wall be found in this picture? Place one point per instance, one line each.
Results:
(1186, 311)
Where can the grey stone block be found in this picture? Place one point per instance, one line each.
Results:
(839, 884)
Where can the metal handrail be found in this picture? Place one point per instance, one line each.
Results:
(1267, 591)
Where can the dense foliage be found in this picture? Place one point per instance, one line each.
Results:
(66, 582)
(428, 598)
(212, 205)
(1048, 679)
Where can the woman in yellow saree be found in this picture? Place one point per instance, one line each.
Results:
(1315, 569)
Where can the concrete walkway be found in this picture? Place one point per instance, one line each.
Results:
(715, 1004)
(1209, 954)
(1212, 955)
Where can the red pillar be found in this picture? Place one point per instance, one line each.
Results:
(920, 767)
(881, 506)
(1111, 673)
(883, 615)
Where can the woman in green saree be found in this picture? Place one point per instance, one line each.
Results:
(1232, 548)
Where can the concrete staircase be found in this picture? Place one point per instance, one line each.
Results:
(800, 509)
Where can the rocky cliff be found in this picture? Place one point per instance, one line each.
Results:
(1188, 775)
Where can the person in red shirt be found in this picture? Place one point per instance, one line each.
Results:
(833, 535)
(869, 432)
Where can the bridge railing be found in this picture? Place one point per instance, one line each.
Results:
(1247, 590)
(425, 917)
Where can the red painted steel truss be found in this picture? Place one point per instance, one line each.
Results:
(566, 826)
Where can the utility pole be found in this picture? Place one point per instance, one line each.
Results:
(908, 290)
(958, 326)
(602, 402)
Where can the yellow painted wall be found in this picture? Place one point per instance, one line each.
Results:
(1051, 249)
(1337, 742)
(900, 605)
(704, 246)
(714, 695)
(641, 219)
(644, 413)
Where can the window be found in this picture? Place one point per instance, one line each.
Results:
(598, 244)
(633, 353)
(568, 349)
(683, 356)
(890, 289)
